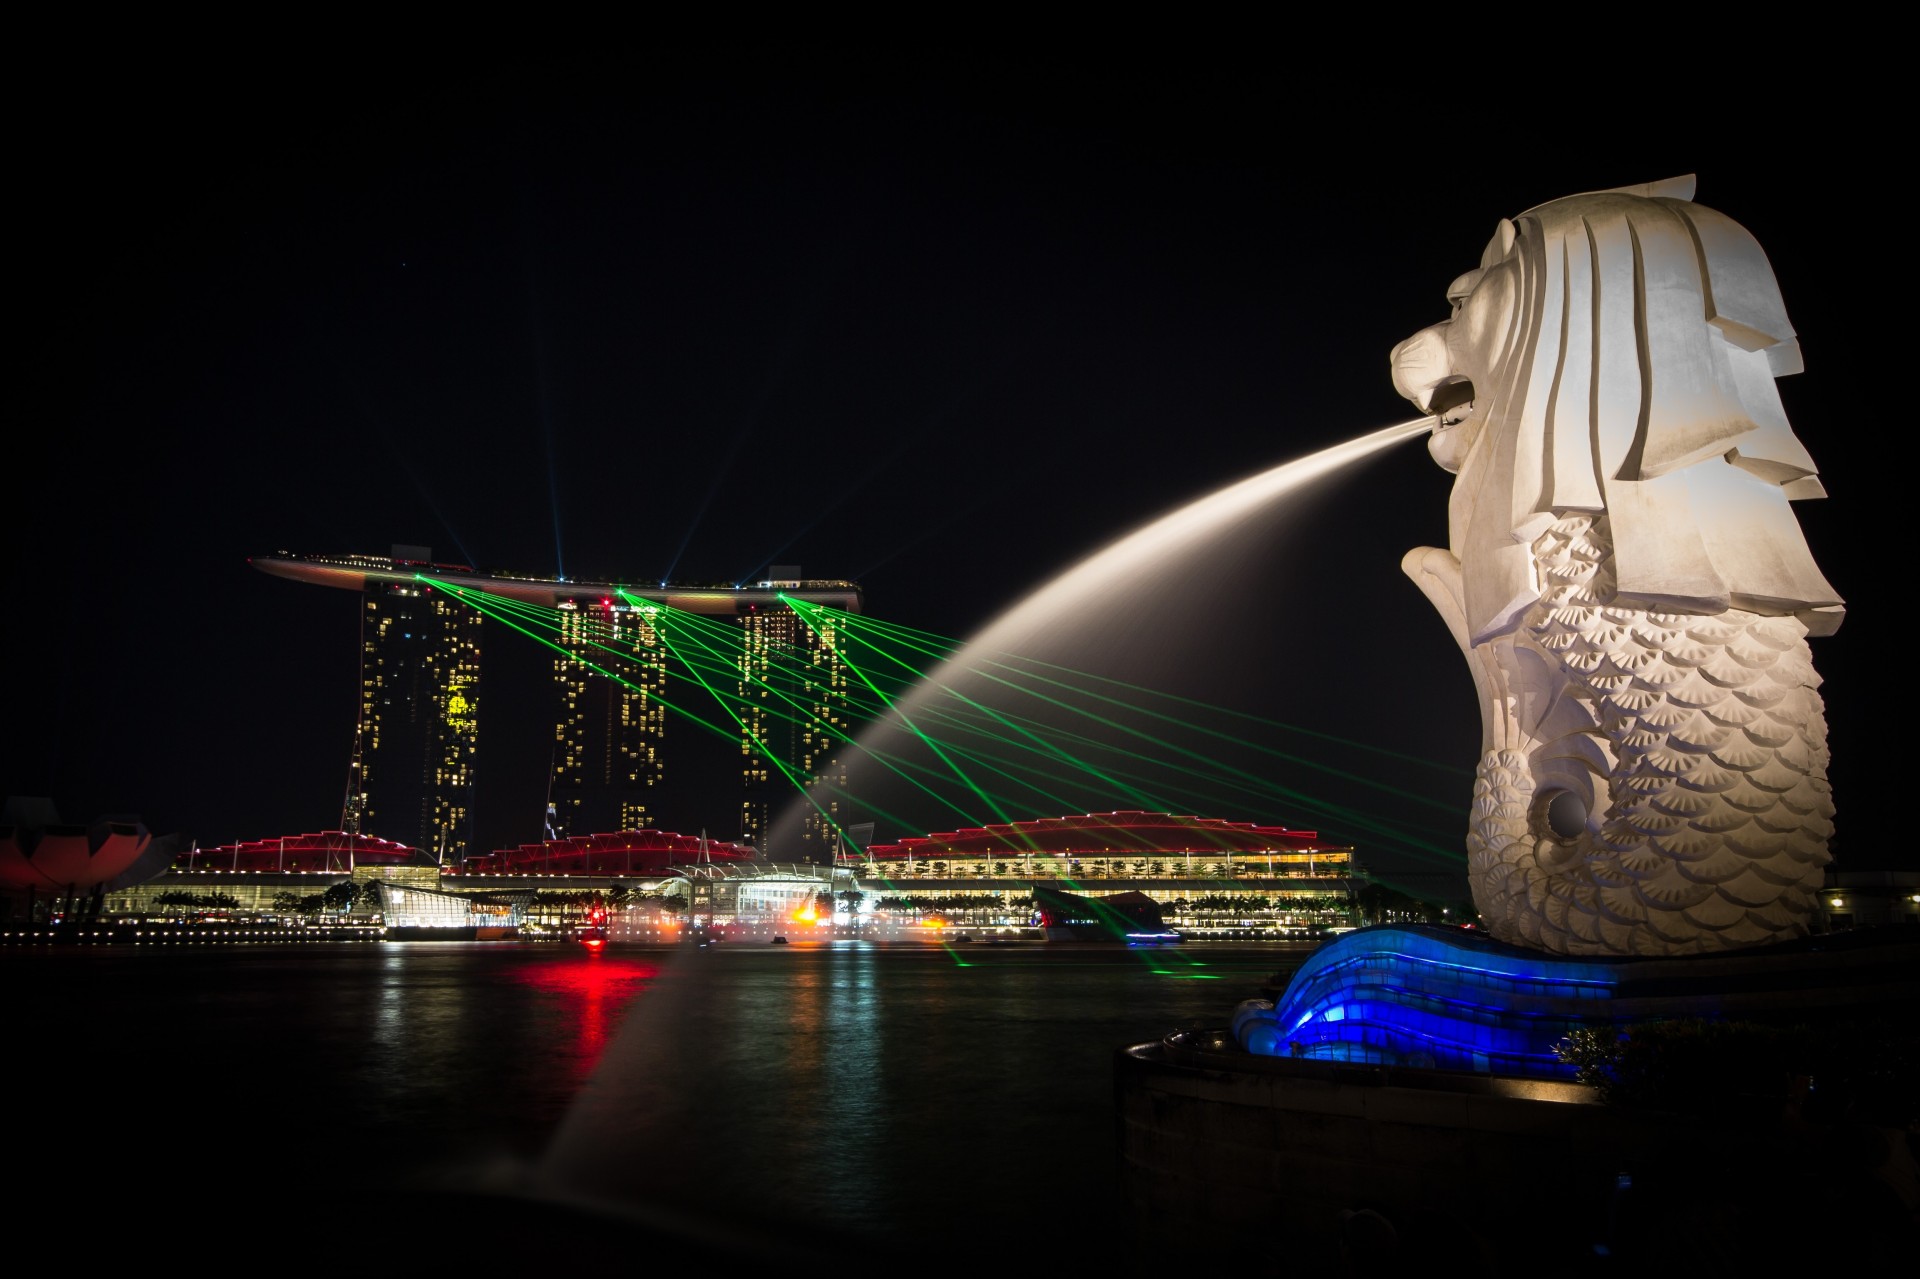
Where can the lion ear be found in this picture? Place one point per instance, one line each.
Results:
(1500, 245)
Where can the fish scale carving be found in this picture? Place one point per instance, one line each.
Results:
(1719, 813)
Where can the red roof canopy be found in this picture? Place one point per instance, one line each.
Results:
(627, 852)
(325, 850)
(1093, 834)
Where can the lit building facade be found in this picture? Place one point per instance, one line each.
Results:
(793, 699)
(609, 737)
(1210, 878)
(1139, 848)
(256, 877)
(416, 741)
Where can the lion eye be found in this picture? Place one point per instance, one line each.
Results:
(1463, 285)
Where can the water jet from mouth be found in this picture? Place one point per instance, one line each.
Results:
(1089, 615)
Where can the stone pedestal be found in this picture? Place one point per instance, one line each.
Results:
(1405, 1094)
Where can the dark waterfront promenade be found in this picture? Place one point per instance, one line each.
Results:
(950, 1105)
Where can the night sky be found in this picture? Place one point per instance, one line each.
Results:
(941, 330)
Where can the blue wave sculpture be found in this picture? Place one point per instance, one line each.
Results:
(1453, 999)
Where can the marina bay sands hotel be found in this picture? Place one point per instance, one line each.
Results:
(425, 693)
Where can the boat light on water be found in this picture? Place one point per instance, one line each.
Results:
(594, 935)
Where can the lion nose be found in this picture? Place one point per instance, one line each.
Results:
(1420, 364)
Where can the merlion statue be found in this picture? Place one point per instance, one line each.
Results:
(1627, 581)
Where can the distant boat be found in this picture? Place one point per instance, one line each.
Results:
(1131, 919)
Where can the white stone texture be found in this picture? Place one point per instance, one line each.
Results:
(1626, 578)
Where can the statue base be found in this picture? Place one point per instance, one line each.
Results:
(1411, 1103)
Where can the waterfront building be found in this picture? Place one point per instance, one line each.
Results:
(1211, 879)
(427, 913)
(1125, 845)
(421, 743)
(1210, 876)
(255, 878)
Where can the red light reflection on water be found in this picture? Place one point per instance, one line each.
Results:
(594, 992)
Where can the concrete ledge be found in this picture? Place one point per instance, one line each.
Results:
(1261, 1156)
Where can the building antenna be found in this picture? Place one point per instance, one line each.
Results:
(551, 814)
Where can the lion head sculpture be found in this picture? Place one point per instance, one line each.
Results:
(1617, 351)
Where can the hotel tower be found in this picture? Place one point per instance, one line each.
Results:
(785, 661)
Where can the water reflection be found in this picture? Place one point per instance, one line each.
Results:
(593, 992)
(741, 1103)
(845, 1093)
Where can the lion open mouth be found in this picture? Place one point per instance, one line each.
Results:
(1451, 401)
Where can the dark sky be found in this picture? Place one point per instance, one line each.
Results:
(942, 329)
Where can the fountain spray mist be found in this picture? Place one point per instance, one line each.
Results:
(1064, 617)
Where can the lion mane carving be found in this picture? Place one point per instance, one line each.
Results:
(1627, 580)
